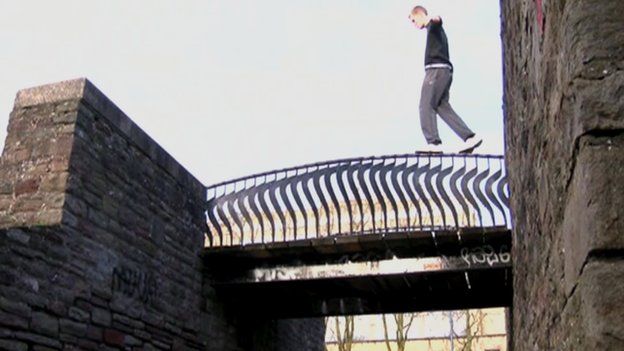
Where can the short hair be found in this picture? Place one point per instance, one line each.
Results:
(419, 8)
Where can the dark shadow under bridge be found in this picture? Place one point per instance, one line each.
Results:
(414, 232)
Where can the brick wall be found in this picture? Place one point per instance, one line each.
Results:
(100, 235)
(564, 124)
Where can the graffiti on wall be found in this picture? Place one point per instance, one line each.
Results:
(485, 255)
(135, 283)
(540, 15)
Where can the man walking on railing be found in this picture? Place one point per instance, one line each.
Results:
(434, 97)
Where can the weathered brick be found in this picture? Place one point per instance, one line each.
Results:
(13, 345)
(122, 327)
(131, 322)
(11, 320)
(101, 317)
(19, 236)
(27, 186)
(87, 345)
(153, 319)
(57, 307)
(28, 205)
(132, 341)
(43, 348)
(15, 307)
(37, 339)
(54, 182)
(78, 314)
(73, 328)
(98, 301)
(6, 188)
(68, 339)
(114, 337)
(94, 333)
(45, 324)
(161, 344)
(5, 333)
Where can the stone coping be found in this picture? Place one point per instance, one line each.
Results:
(84, 90)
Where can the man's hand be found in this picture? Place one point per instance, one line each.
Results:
(436, 19)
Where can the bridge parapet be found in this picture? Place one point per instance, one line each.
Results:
(372, 195)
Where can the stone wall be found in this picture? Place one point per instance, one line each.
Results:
(100, 235)
(564, 118)
(284, 335)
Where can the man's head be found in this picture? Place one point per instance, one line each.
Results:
(419, 17)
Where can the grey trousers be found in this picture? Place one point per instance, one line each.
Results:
(434, 99)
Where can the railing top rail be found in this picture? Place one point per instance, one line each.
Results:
(354, 160)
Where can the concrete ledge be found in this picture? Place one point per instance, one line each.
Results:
(51, 93)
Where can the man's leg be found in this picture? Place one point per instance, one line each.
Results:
(449, 115)
(430, 96)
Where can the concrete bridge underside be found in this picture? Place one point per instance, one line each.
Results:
(345, 275)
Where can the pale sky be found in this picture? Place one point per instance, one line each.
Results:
(236, 87)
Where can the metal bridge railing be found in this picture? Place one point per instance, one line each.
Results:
(398, 193)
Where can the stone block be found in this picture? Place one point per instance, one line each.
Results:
(161, 344)
(33, 205)
(78, 314)
(18, 235)
(114, 337)
(6, 201)
(27, 186)
(122, 327)
(95, 333)
(43, 348)
(45, 324)
(592, 64)
(592, 319)
(68, 339)
(153, 319)
(13, 345)
(101, 317)
(54, 182)
(594, 214)
(37, 339)
(73, 328)
(13, 321)
(5, 333)
(132, 341)
(142, 334)
(84, 344)
(15, 307)
(131, 322)
(58, 307)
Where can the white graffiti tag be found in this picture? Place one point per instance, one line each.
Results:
(485, 255)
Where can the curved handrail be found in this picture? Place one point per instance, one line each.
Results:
(378, 194)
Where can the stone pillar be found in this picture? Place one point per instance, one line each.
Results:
(100, 234)
(564, 125)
